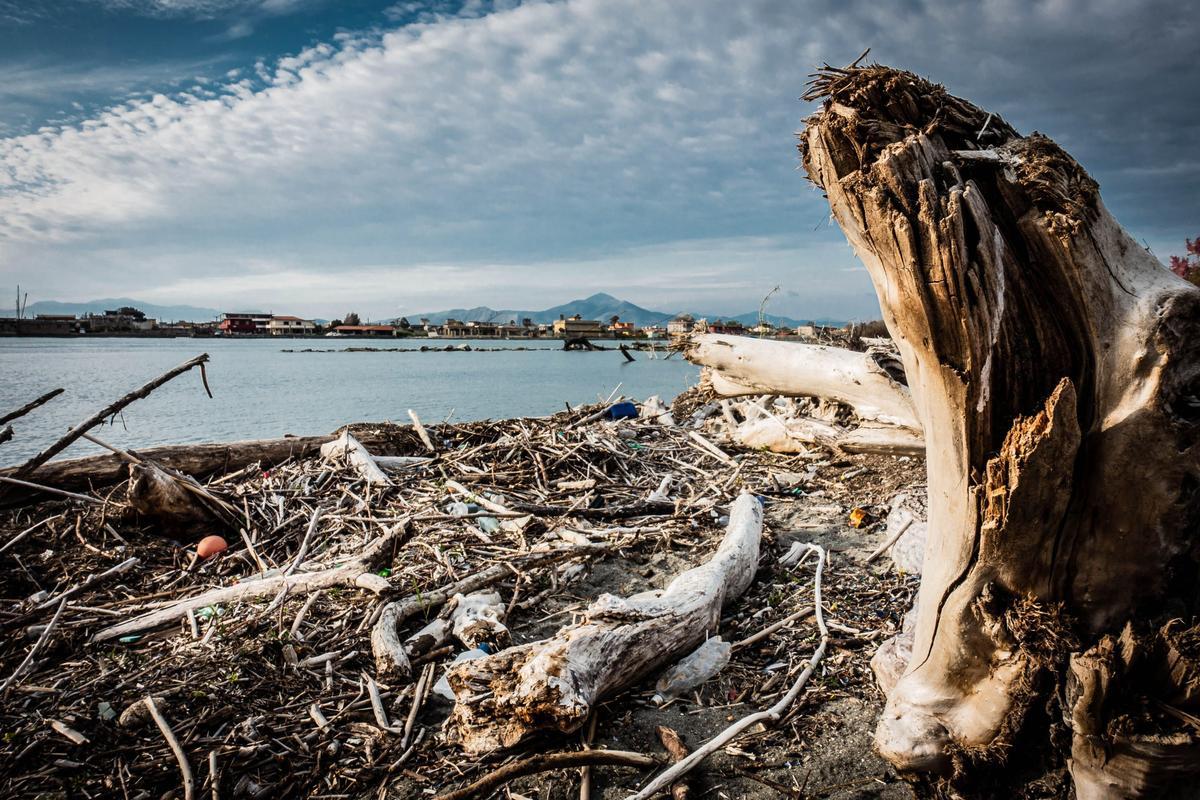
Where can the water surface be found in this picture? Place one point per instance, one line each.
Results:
(260, 391)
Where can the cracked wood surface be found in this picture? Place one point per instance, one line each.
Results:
(1053, 364)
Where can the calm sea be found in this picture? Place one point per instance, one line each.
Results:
(260, 391)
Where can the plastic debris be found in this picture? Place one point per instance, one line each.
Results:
(704, 662)
(623, 410)
(479, 618)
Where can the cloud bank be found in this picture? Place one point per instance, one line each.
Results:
(597, 144)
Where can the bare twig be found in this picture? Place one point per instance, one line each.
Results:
(546, 762)
(185, 769)
(30, 406)
(771, 715)
(20, 670)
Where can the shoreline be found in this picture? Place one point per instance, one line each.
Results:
(640, 501)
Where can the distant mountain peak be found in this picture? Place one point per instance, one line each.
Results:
(599, 306)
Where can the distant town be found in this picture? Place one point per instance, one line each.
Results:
(130, 321)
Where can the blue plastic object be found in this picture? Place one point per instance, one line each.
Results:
(624, 410)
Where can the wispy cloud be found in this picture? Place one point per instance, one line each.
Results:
(204, 8)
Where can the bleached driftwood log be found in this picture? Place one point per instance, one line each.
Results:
(1055, 368)
(885, 439)
(793, 435)
(553, 684)
(741, 365)
(348, 448)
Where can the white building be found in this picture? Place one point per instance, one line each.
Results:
(290, 326)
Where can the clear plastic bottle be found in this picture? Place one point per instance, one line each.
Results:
(692, 670)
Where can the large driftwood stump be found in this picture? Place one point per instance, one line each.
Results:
(1054, 364)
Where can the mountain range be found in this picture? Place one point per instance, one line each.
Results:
(601, 307)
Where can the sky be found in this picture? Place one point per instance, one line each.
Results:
(320, 156)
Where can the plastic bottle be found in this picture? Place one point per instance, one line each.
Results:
(692, 670)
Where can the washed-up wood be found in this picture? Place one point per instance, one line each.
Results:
(553, 684)
(111, 410)
(799, 434)
(357, 572)
(348, 448)
(391, 656)
(1052, 362)
(762, 366)
(198, 460)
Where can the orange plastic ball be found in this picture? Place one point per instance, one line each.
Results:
(210, 546)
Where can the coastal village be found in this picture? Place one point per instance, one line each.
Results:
(129, 321)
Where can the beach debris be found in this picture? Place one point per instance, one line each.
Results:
(622, 410)
(654, 409)
(109, 411)
(210, 546)
(420, 429)
(739, 366)
(283, 630)
(771, 715)
(197, 460)
(672, 742)
(692, 670)
(618, 641)
(357, 572)
(478, 620)
(1050, 440)
(347, 448)
(442, 687)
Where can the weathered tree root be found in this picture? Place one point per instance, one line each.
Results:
(553, 684)
(1055, 366)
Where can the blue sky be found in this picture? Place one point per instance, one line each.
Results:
(312, 156)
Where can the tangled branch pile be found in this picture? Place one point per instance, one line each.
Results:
(306, 658)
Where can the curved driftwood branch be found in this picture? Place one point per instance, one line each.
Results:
(742, 366)
(1055, 368)
(767, 716)
(553, 684)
